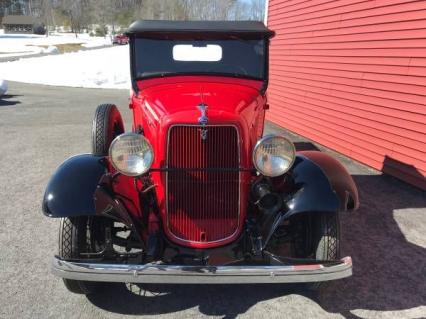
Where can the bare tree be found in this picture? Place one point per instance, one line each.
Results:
(253, 10)
(46, 14)
(207, 9)
(5, 7)
(81, 13)
(257, 10)
(104, 12)
(77, 12)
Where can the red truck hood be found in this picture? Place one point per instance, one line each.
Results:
(176, 100)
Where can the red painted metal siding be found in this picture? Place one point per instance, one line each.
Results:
(351, 75)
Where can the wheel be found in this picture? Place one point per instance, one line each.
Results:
(327, 236)
(107, 124)
(80, 235)
(319, 238)
(326, 240)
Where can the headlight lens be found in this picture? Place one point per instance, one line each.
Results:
(131, 154)
(273, 155)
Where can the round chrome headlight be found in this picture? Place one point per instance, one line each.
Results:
(131, 154)
(273, 155)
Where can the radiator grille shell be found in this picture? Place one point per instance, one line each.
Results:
(203, 183)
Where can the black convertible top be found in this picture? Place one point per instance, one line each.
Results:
(252, 28)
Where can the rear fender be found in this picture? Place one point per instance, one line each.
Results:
(70, 191)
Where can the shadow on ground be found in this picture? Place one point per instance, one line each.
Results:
(7, 100)
(212, 300)
(387, 268)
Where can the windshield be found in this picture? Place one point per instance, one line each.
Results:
(231, 57)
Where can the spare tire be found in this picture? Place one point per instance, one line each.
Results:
(107, 125)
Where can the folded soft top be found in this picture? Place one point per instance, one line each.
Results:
(200, 27)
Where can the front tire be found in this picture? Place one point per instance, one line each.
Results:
(319, 238)
(326, 240)
(327, 236)
(74, 240)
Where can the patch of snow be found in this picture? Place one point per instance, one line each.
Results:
(51, 49)
(3, 87)
(24, 44)
(101, 68)
(97, 43)
(20, 54)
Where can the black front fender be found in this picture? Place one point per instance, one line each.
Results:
(321, 184)
(71, 189)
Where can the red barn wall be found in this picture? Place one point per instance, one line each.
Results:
(351, 75)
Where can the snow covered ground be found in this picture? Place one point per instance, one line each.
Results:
(3, 87)
(101, 68)
(24, 44)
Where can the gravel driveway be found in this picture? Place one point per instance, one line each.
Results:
(40, 126)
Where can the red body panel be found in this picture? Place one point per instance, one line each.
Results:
(165, 102)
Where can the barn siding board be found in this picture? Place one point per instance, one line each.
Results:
(365, 22)
(347, 12)
(351, 75)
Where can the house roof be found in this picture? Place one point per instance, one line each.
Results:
(12, 19)
(200, 27)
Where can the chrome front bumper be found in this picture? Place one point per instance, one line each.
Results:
(175, 274)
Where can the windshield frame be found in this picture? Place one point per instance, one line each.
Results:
(133, 54)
